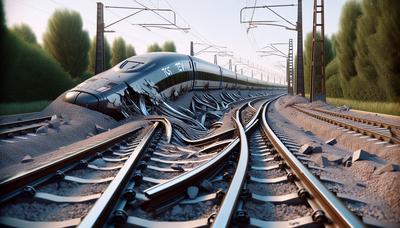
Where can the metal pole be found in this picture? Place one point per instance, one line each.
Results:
(322, 46)
(287, 75)
(230, 64)
(191, 49)
(300, 70)
(317, 76)
(290, 67)
(100, 55)
(215, 60)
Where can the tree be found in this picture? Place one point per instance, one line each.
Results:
(92, 56)
(130, 51)
(366, 27)
(24, 32)
(67, 42)
(2, 20)
(154, 48)
(169, 46)
(29, 73)
(384, 46)
(345, 51)
(118, 51)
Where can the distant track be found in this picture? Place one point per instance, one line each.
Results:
(22, 126)
(374, 129)
(359, 119)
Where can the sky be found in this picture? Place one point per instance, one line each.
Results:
(215, 22)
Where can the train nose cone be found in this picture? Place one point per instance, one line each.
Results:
(82, 99)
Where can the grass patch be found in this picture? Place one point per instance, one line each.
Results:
(22, 107)
(391, 108)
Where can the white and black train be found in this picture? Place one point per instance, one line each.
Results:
(154, 76)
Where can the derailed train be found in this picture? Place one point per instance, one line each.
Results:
(155, 76)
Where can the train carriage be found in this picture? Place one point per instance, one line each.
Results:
(155, 75)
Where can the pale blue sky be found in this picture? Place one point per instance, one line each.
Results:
(215, 21)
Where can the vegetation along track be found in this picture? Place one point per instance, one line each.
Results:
(375, 129)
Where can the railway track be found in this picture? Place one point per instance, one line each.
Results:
(250, 178)
(22, 127)
(72, 183)
(370, 128)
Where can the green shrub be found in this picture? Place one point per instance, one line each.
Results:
(331, 69)
(17, 108)
(169, 46)
(118, 51)
(333, 88)
(361, 89)
(154, 48)
(130, 51)
(28, 73)
(24, 32)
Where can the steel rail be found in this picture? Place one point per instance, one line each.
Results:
(14, 185)
(207, 139)
(98, 213)
(167, 125)
(227, 132)
(351, 126)
(11, 131)
(176, 184)
(162, 192)
(359, 119)
(228, 205)
(24, 122)
(330, 204)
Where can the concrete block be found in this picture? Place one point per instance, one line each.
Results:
(27, 158)
(346, 158)
(305, 149)
(322, 160)
(54, 123)
(42, 129)
(335, 158)
(331, 141)
(360, 155)
(317, 149)
(387, 168)
(99, 129)
(308, 133)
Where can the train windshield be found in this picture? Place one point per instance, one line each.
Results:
(130, 65)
